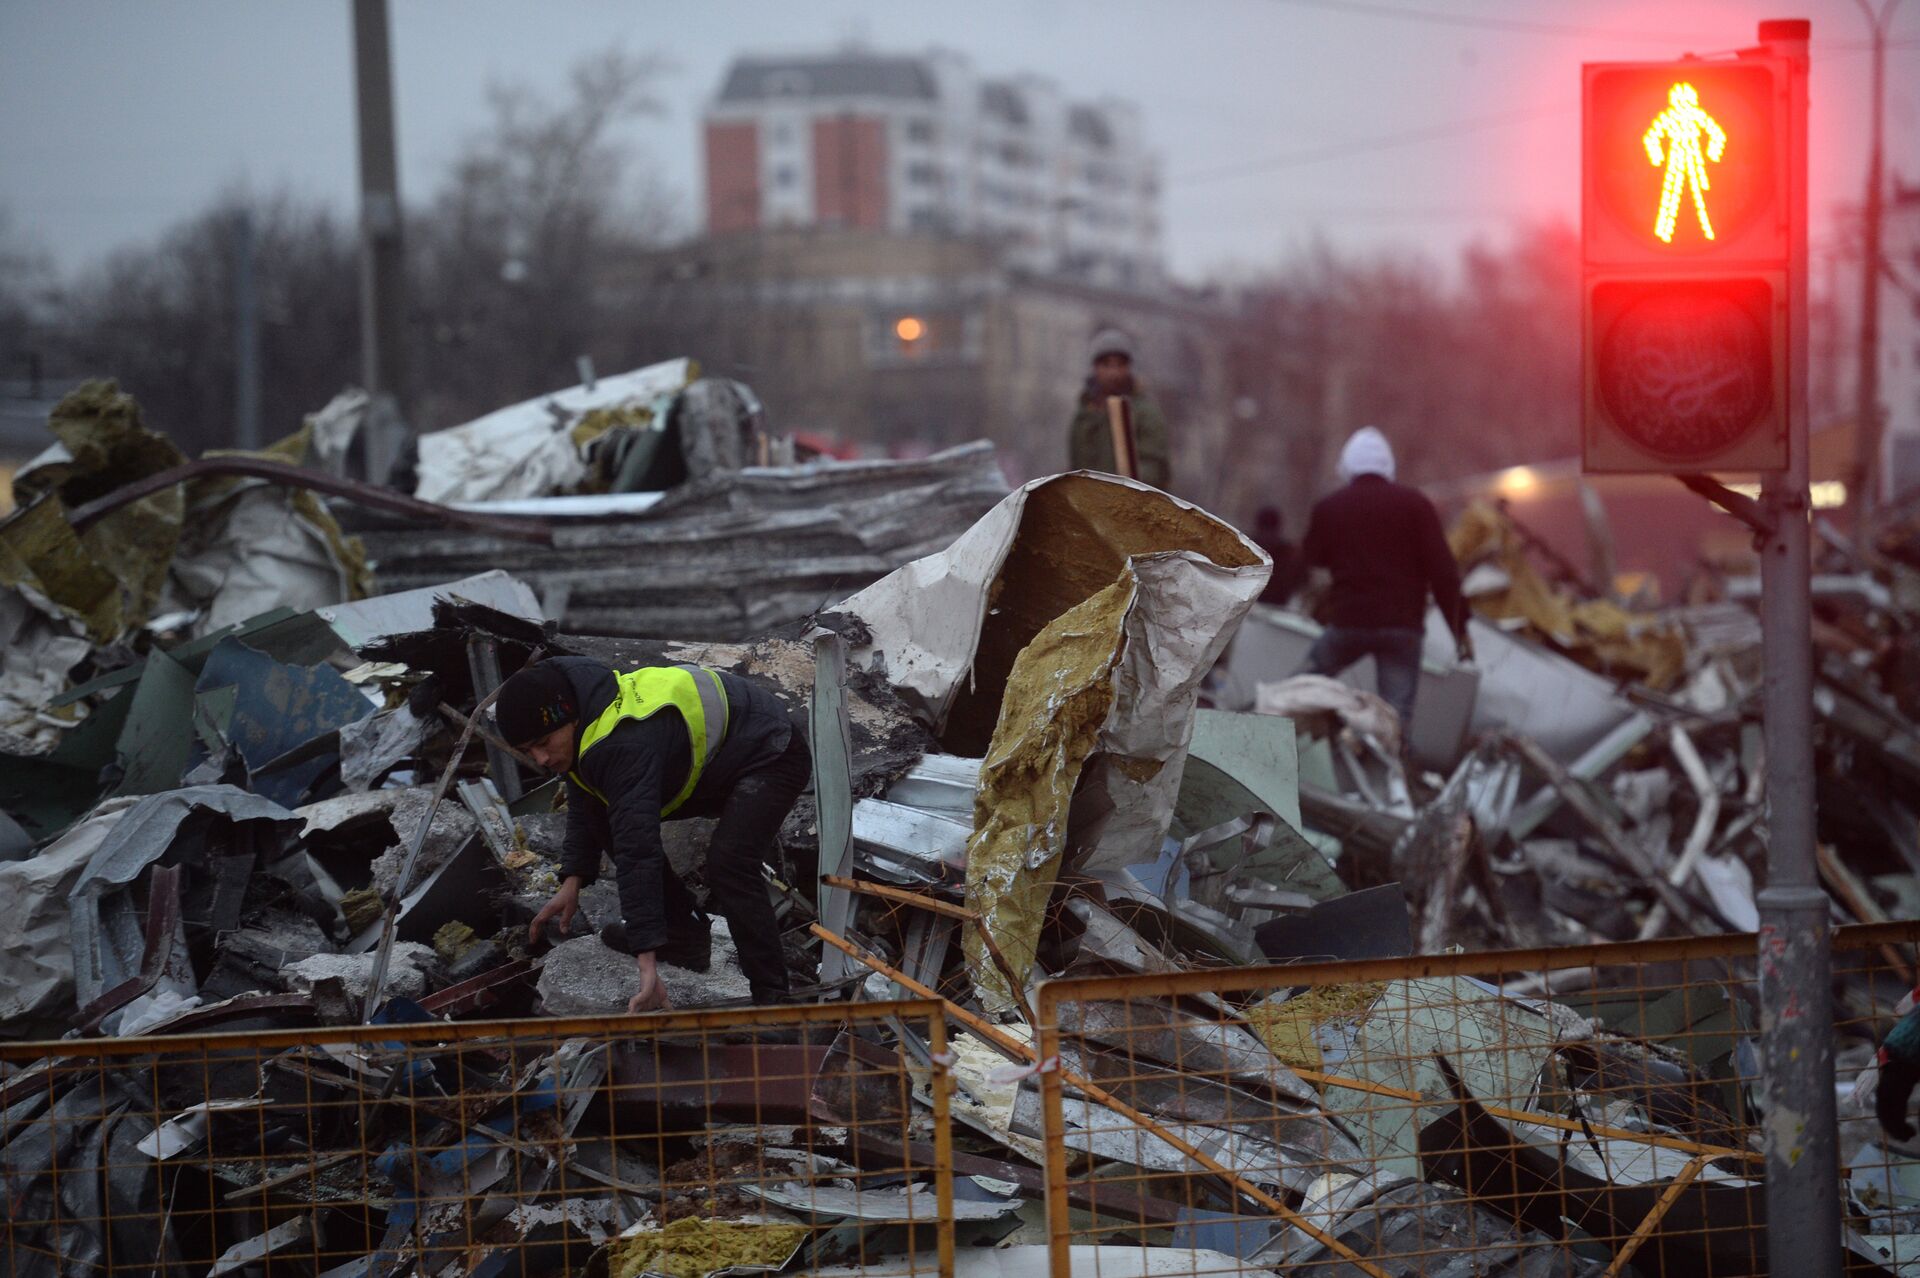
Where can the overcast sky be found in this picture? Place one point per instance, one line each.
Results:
(1376, 123)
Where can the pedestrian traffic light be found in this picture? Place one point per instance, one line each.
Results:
(1684, 238)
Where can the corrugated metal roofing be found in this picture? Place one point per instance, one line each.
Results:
(728, 557)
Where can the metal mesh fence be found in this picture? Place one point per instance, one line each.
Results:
(1578, 1111)
(1581, 1111)
(813, 1138)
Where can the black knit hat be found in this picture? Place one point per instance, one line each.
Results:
(533, 703)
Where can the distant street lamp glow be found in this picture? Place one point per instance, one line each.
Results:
(908, 328)
(1822, 494)
(1517, 481)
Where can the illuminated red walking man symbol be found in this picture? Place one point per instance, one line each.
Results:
(1674, 139)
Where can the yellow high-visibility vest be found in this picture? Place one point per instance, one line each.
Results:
(694, 691)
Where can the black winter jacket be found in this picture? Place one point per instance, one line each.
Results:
(639, 766)
(1383, 544)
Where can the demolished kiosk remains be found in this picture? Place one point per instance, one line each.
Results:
(1130, 954)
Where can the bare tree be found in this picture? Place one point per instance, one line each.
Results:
(26, 284)
(160, 318)
(511, 251)
(1464, 375)
(508, 255)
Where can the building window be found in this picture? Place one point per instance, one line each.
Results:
(784, 177)
(1005, 103)
(920, 131)
(920, 173)
(1090, 126)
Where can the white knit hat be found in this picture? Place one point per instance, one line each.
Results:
(1109, 341)
(1367, 453)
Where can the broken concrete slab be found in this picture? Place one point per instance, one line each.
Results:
(585, 978)
(408, 971)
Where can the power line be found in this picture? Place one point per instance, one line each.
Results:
(1526, 26)
(1523, 26)
(1383, 142)
(1392, 212)
(1411, 137)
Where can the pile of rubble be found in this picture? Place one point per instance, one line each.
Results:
(672, 512)
(1599, 773)
(1065, 743)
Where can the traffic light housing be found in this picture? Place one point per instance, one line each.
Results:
(1684, 239)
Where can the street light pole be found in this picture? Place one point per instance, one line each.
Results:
(382, 309)
(1869, 421)
(246, 334)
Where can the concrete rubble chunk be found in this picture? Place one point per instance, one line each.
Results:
(407, 976)
(584, 978)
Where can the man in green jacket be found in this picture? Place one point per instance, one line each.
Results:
(1090, 438)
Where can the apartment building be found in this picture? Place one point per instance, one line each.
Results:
(924, 144)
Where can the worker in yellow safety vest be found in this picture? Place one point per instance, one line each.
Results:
(654, 744)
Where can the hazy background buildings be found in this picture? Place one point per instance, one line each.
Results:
(1310, 213)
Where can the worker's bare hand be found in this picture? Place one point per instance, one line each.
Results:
(562, 907)
(653, 991)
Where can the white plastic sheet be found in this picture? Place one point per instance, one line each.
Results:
(525, 449)
(1317, 694)
(263, 555)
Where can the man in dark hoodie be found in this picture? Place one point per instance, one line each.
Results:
(1384, 547)
(654, 744)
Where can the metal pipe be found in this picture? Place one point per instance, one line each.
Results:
(513, 527)
(1796, 990)
(934, 905)
(625, 1025)
(940, 1089)
(1537, 1118)
(1704, 823)
(1053, 1136)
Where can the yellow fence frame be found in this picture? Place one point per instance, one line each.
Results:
(1054, 1082)
(65, 1055)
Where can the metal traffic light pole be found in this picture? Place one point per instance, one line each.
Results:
(1796, 990)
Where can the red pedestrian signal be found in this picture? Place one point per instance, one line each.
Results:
(1682, 162)
(1684, 236)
